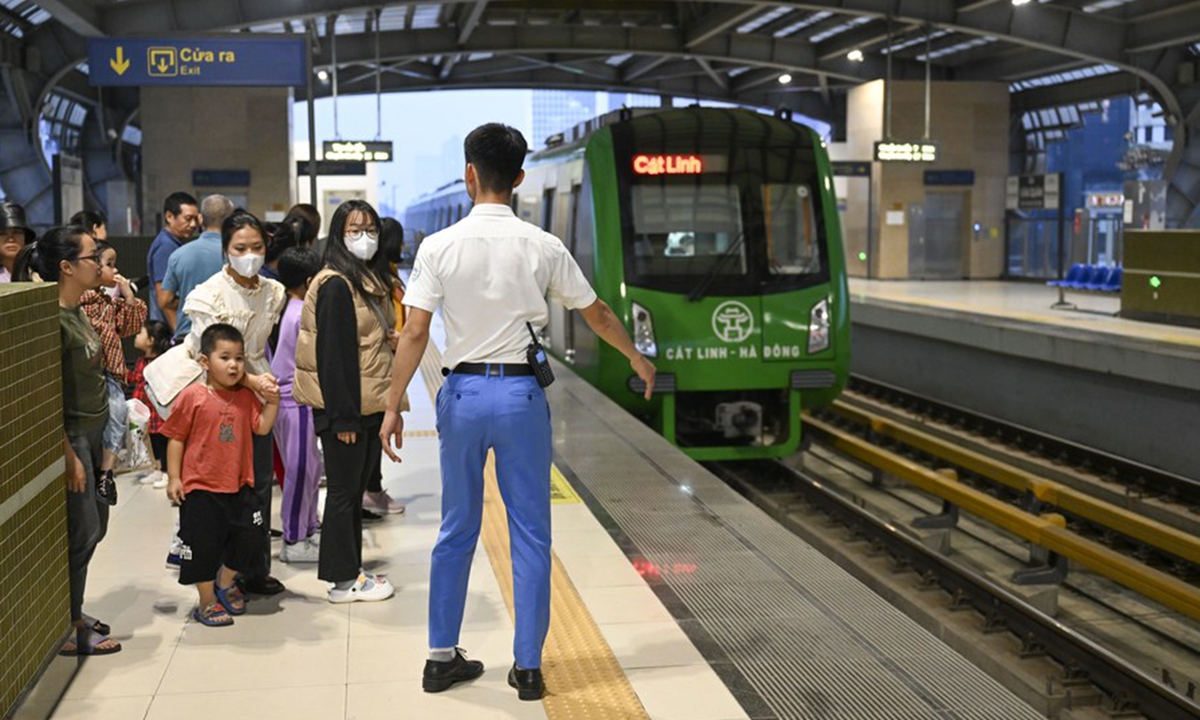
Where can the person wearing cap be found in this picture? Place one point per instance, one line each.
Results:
(15, 234)
(490, 274)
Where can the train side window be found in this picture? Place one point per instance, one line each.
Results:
(547, 209)
(582, 244)
(572, 212)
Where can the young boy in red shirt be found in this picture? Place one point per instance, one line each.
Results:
(210, 464)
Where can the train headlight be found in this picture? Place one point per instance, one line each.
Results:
(643, 332)
(818, 327)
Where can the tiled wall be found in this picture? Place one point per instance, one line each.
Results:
(34, 596)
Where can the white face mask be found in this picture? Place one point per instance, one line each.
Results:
(362, 246)
(247, 265)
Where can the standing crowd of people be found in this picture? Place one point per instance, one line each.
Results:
(265, 353)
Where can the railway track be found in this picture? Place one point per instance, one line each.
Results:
(1112, 648)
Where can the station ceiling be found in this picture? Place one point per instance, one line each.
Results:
(734, 50)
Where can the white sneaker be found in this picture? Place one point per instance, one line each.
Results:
(161, 481)
(365, 589)
(305, 551)
(147, 477)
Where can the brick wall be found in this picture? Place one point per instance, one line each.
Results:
(34, 594)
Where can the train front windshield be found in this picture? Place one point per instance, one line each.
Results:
(731, 215)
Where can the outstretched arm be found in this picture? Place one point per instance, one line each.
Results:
(410, 347)
(605, 323)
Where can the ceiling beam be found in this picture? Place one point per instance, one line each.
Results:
(1086, 90)
(78, 15)
(720, 20)
(642, 65)
(474, 15)
(1177, 25)
(720, 80)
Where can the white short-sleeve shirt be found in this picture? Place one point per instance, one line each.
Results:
(490, 274)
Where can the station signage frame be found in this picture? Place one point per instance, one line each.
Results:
(212, 60)
(1033, 192)
(906, 151)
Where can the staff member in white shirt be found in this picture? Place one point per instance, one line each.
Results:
(490, 274)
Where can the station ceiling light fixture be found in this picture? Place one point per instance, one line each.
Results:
(855, 55)
(785, 78)
(323, 75)
(1019, 3)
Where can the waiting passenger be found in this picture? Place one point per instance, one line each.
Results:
(115, 313)
(181, 218)
(376, 501)
(343, 361)
(15, 235)
(305, 222)
(490, 274)
(294, 434)
(93, 221)
(153, 340)
(68, 256)
(210, 461)
(280, 238)
(236, 296)
(197, 261)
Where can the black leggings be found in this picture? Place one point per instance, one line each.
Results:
(158, 443)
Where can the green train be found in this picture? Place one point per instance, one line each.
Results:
(714, 234)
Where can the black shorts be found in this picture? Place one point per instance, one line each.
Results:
(218, 529)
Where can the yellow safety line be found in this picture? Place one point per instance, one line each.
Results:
(1047, 531)
(1068, 499)
(584, 681)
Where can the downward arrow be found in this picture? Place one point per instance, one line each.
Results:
(120, 64)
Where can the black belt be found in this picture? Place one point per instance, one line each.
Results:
(494, 369)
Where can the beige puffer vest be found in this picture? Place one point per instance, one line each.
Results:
(374, 353)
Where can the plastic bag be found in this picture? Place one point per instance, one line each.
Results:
(137, 454)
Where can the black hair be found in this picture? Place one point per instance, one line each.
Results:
(45, 255)
(216, 333)
(391, 239)
(297, 266)
(239, 220)
(89, 219)
(310, 214)
(302, 226)
(175, 202)
(497, 151)
(338, 258)
(280, 236)
(103, 246)
(160, 335)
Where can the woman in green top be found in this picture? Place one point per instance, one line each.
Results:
(67, 256)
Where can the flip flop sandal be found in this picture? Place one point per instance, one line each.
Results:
(99, 627)
(212, 616)
(92, 647)
(231, 599)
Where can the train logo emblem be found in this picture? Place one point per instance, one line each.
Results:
(732, 321)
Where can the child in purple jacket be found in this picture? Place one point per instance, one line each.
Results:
(294, 434)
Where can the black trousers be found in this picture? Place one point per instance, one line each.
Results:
(87, 518)
(348, 469)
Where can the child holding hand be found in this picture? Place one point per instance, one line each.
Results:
(210, 464)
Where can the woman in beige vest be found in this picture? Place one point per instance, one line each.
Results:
(343, 367)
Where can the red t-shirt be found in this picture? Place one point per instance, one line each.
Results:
(216, 428)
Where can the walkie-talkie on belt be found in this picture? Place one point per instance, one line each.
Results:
(535, 354)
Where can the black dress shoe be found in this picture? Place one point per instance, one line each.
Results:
(261, 585)
(529, 683)
(441, 676)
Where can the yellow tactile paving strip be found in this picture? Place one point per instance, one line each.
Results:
(584, 681)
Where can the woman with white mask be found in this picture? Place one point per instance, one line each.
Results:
(343, 365)
(240, 297)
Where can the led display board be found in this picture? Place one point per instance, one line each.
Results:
(358, 150)
(896, 151)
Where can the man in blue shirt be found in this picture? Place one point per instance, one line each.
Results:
(195, 262)
(181, 217)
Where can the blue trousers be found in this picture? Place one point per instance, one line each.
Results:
(510, 416)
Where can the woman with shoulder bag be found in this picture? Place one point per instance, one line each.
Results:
(343, 367)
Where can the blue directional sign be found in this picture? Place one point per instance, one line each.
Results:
(231, 60)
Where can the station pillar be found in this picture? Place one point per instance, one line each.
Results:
(229, 140)
(932, 220)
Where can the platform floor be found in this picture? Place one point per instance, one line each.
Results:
(1023, 302)
(674, 598)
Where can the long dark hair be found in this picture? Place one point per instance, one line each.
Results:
(280, 237)
(239, 220)
(338, 258)
(302, 227)
(45, 256)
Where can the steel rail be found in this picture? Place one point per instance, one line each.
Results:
(1122, 682)
(1126, 522)
(1041, 530)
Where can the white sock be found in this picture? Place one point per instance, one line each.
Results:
(441, 654)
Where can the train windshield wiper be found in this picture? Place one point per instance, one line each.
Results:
(701, 288)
